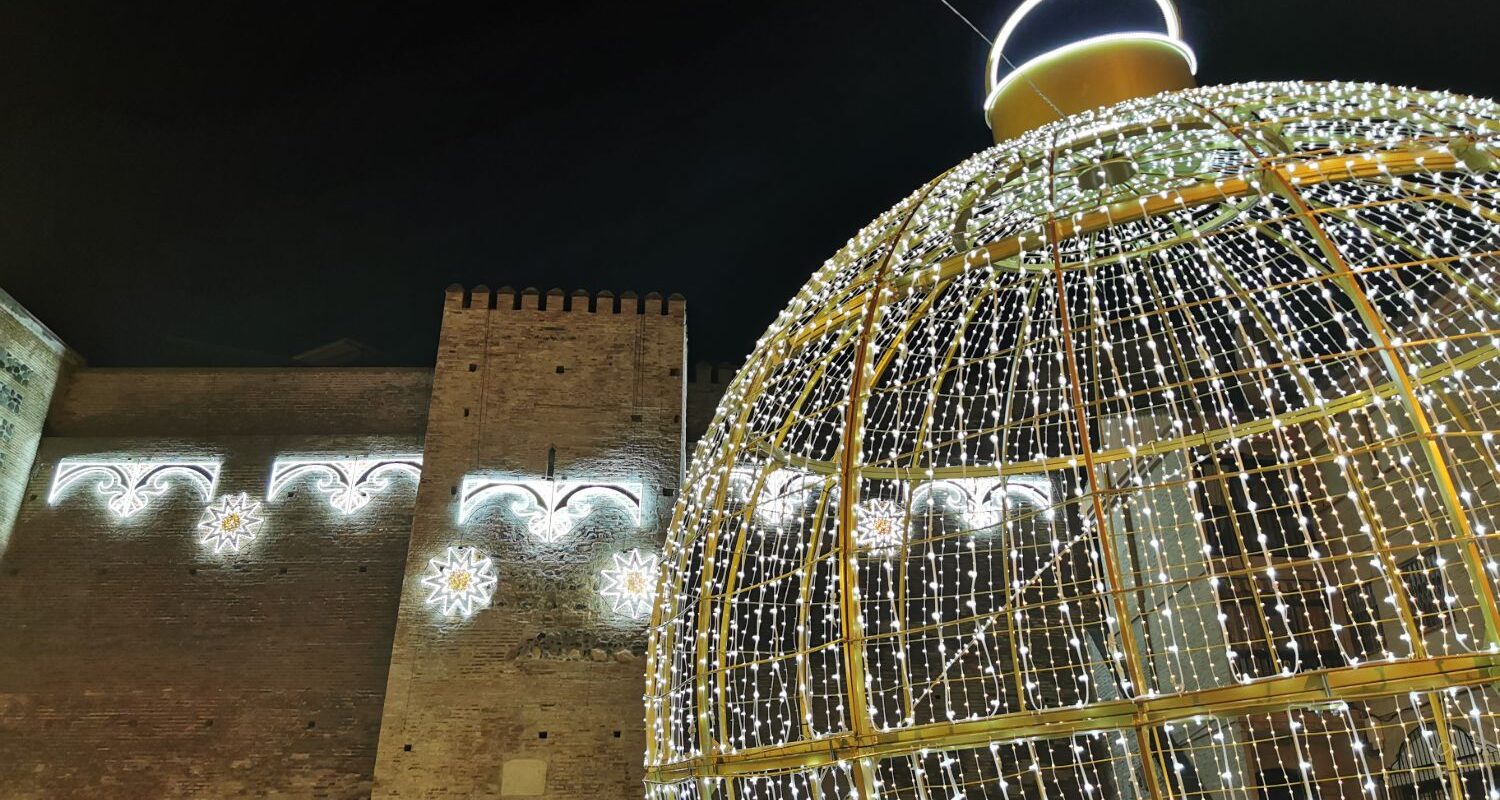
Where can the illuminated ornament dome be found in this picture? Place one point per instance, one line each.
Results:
(1146, 454)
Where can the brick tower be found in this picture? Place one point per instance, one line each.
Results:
(570, 411)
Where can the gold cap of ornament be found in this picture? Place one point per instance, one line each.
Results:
(1093, 72)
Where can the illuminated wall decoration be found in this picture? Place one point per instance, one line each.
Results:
(630, 585)
(550, 509)
(130, 486)
(230, 523)
(462, 581)
(348, 483)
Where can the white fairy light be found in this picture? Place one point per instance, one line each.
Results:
(1142, 423)
(631, 584)
(462, 580)
(230, 523)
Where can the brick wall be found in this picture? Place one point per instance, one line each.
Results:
(706, 385)
(136, 663)
(541, 691)
(287, 401)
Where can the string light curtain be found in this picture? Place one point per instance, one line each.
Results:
(1148, 455)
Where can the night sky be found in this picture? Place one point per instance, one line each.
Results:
(224, 183)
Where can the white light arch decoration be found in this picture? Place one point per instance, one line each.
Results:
(985, 502)
(784, 492)
(630, 586)
(462, 581)
(348, 483)
(997, 84)
(550, 508)
(130, 486)
(230, 523)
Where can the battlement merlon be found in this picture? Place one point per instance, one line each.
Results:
(712, 373)
(557, 301)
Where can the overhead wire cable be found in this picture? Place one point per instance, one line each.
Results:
(1006, 59)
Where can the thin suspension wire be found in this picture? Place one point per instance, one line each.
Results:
(1006, 59)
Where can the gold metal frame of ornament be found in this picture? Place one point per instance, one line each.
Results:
(1276, 171)
(1424, 673)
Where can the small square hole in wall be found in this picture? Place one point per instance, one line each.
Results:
(473, 367)
(466, 412)
(407, 748)
(283, 570)
(453, 490)
(635, 417)
(312, 723)
(541, 734)
(617, 734)
(675, 371)
(560, 369)
(193, 571)
(362, 567)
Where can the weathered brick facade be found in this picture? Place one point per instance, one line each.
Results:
(136, 663)
(544, 691)
(31, 360)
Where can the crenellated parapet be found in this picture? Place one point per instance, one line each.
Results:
(556, 300)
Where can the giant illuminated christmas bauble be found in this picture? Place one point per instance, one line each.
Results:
(1146, 454)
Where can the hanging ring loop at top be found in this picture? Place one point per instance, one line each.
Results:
(994, 83)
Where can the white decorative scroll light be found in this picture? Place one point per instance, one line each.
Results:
(784, 491)
(462, 581)
(130, 486)
(550, 508)
(631, 585)
(986, 502)
(349, 483)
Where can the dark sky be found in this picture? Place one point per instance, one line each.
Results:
(199, 183)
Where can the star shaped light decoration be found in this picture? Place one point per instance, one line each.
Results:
(462, 581)
(631, 585)
(879, 526)
(231, 522)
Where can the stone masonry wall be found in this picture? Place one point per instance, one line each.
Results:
(136, 663)
(31, 360)
(540, 692)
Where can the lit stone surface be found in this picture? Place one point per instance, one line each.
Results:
(1184, 411)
